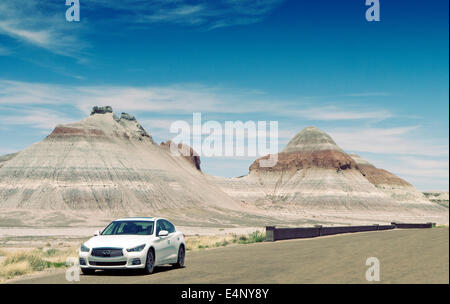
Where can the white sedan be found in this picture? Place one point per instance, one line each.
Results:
(130, 243)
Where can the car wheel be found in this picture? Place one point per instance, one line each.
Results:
(181, 257)
(87, 271)
(150, 262)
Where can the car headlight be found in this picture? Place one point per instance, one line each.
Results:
(137, 248)
(84, 248)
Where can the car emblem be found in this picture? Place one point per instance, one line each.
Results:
(106, 252)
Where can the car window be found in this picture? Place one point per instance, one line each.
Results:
(159, 226)
(129, 227)
(168, 226)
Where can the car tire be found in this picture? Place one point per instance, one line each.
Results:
(150, 262)
(87, 271)
(181, 258)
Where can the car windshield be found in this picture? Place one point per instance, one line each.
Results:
(129, 227)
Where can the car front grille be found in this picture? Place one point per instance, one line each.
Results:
(119, 263)
(107, 252)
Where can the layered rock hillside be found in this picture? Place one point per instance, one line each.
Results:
(317, 179)
(5, 158)
(311, 148)
(392, 185)
(184, 150)
(109, 164)
(438, 197)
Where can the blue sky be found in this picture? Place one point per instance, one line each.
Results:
(380, 89)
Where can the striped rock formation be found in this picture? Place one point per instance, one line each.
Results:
(314, 176)
(108, 164)
(397, 188)
(438, 197)
(5, 158)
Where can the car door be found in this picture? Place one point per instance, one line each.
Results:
(161, 244)
(173, 242)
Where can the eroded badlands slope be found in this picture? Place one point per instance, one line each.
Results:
(315, 178)
(109, 164)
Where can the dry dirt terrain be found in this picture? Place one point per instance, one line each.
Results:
(406, 256)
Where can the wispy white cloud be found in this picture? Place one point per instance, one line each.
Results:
(42, 24)
(203, 13)
(396, 140)
(41, 38)
(426, 163)
(188, 14)
(335, 113)
(180, 99)
(163, 124)
(36, 118)
(186, 99)
(428, 173)
(38, 24)
(26, 93)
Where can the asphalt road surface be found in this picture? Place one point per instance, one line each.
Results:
(406, 256)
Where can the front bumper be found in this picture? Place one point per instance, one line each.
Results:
(129, 260)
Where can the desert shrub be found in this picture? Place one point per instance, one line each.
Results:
(13, 270)
(254, 237)
(51, 252)
(24, 262)
(257, 237)
(36, 262)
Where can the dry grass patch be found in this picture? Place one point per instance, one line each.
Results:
(214, 241)
(16, 263)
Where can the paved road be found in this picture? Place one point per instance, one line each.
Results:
(406, 256)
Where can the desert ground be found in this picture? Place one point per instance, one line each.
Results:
(406, 256)
(31, 250)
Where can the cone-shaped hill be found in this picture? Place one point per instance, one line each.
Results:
(314, 176)
(109, 164)
(311, 148)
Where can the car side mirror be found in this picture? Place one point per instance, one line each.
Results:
(97, 232)
(163, 233)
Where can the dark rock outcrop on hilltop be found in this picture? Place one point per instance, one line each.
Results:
(193, 157)
(127, 116)
(127, 127)
(101, 110)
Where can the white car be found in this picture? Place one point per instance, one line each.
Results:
(131, 243)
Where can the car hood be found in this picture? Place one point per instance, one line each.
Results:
(119, 241)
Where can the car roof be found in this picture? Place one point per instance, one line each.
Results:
(150, 219)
